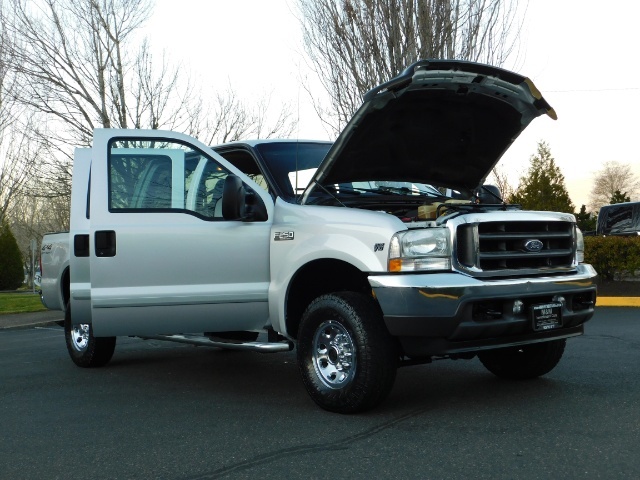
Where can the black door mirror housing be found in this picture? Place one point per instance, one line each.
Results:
(489, 194)
(239, 203)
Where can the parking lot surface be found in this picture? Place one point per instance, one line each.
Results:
(161, 410)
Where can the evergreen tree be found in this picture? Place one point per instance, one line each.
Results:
(11, 269)
(586, 221)
(619, 197)
(543, 187)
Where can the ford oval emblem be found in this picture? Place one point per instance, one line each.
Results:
(533, 246)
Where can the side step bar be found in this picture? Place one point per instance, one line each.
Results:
(262, 347)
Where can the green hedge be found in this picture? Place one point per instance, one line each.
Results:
(611, 255)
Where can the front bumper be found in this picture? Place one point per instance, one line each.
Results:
(449, 313)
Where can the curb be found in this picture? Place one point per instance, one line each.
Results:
(22, 326)
(618, 302)
(30, 319)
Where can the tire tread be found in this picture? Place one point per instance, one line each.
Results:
(377, 355)
(99, 350)
(524, 362)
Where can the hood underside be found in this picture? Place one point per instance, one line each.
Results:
(444, 123)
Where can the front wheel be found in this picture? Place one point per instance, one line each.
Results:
(523, 362)
(84, 349)
(347, 358)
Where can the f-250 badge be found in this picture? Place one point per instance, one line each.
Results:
(378, 247)
(279, 236)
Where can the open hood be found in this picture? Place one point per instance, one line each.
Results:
(444, 123)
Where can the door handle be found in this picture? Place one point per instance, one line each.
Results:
(105, 243)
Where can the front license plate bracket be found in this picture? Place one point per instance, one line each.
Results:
(546, 316)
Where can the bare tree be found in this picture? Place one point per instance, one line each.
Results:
(21, 151)
(355, 45)
(163, 96)
(500, 179)
(20, 157)
(74, 57)
(85, 69)
(32, 216)
(20, 154)
(227, 118)
(223, 120)
(266, 126)
(611, 178)
(73, 61)
(81, 66)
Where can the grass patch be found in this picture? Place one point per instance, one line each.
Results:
(20, 303)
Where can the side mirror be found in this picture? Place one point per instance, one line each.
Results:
(489, 194)
(233, 198)
(255, 209)
(240, 204)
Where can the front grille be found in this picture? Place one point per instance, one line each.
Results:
(510, 248)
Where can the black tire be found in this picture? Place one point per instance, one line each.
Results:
(84, 349)
(346, 356)
(523, 362)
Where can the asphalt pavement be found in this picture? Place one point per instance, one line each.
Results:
(168, 411)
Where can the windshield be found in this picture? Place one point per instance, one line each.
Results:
(292, 164)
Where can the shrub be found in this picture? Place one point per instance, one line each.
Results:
(11, 270)
(613, 255)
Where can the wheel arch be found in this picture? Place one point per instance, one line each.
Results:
(65, 287)
(316, 278)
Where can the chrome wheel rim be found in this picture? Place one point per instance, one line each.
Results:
(334, 354)
(80, 336)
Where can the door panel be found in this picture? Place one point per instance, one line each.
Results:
(164, 260)
(79, 262)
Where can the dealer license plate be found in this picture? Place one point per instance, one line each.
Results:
(546, 316)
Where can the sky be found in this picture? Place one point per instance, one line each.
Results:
(581, 54)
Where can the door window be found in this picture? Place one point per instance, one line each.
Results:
(159, 176)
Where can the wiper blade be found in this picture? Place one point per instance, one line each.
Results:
(354, 190)
(335, 190)
(385, 190)
(395, 190)
(410, 191)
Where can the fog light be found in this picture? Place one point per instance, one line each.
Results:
(518, 307)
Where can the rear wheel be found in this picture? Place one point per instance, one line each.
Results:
(84, 349)
(525, 361)
(346, 357)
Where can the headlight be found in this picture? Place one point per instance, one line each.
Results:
(414, 250)
(579, 246)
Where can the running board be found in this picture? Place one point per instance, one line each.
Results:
(262, 347)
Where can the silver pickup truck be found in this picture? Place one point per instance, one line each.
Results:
(380, 250)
